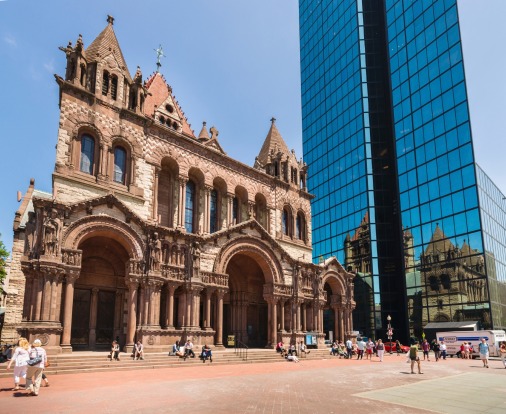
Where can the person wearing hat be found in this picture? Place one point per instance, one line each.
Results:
(34, 372)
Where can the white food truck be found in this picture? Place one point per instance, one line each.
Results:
(454, 340)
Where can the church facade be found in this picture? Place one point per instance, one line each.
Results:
(153, 233)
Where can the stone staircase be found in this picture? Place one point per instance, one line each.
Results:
(86, 361)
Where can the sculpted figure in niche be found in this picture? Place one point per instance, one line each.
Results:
(155, 251)
(52, 229)
(30, 235)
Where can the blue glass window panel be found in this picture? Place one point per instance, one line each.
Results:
(459, 93)
(189, 207)
(423, 191)
(440, 143)
(464, 133)
(413, 197)
(406, 218)
(415, 216)
(213, 211)
(456, 180)
(444, 185)
(450, 120)
(461, 113)
(454, 159)
(475, 241)
(434, 189)
(468, 177)
(448, 225)
(457, 73)
(446, 83)
(430, 150)
(466, 154)
(473, 220)
(442, 164)
(451, 16)
(416, 232)
(460, 223)
(119, 165)
(431, 170)
(435, 209)
(427, 233)
(425, 213)
(422, 174)
(471, 198)
(437, 106)
(87, 154)
(451, 140)
(446, 206)
(439, 125)
(458, 202)
(405, 200)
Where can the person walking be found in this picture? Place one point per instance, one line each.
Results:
(425, 349)
(397, 347)
(349, 348)
(360, 348)
(20, 359)
(34, 372)
(380, 347)
(369, 347)
(413, 356)
(502, 353)
(483, 347)
(437, 350)
(442, 348)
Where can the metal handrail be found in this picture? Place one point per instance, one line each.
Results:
(241, 349)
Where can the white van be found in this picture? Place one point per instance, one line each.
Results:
(454, 340)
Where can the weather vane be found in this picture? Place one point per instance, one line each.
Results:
(159, 54)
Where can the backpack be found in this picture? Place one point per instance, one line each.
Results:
(413, 352)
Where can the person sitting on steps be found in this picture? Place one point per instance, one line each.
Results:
(138, 351)
(206, 353)
(188, 350)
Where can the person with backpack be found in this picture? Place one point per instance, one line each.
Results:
(36, 364)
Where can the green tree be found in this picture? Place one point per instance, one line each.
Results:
(4, 254)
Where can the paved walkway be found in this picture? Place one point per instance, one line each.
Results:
(311, 386)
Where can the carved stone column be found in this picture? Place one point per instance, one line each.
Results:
(304, 317)
(195, 306)
(207, 320)
(341, 325)
(274, 322)
(336, 322)
(93, 317)
(170, 305)
(156, 305)
(38, 284)
(282, 316)
(46, 298)
(230, 209)
(155, 193)
(132, 312)
(207, 209)
(182, 201)
(298, 324)
(27, 303)
(67, 311)
(219, 331)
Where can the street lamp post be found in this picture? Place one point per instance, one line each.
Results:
(390, 331)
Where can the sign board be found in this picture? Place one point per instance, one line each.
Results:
(231, 340)
(311, 339)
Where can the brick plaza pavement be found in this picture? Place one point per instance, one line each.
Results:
(311, 386)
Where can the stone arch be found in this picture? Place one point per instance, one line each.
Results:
(256, 249)
(93, 226)
(336, 283)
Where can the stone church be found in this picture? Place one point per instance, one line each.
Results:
(153, 233)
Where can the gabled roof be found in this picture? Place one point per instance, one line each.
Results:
(273, 144)
(439, 242)
(160, 92)
(105, 44)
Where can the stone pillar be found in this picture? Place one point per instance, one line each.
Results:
(282, 317)
(155, 193)
(93, 317)
(219, 331)
(118, 313)
(27, 303)
(269, 321)
(341, 325)
(67, 312)
(207, 320)
(38, 283)
(298, 325)
(46, 298)
(132, 312)
(230, 208)
(304, 317)
(315, 317)
(207, 209)
(157, 303)
(170, 305)
(274, 322)
(336, 322)
(182, 201)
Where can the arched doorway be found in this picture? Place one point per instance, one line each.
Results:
(245, 309)
(329, 316)
(99, 295)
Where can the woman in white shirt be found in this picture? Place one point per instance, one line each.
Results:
(20, 359)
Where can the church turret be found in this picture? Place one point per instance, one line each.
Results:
(76, 71)
(276, 160)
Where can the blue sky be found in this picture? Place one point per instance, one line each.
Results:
(232, 63)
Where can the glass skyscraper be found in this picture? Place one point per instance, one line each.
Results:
(387, 137)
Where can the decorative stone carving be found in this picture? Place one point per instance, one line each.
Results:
(52, 230)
